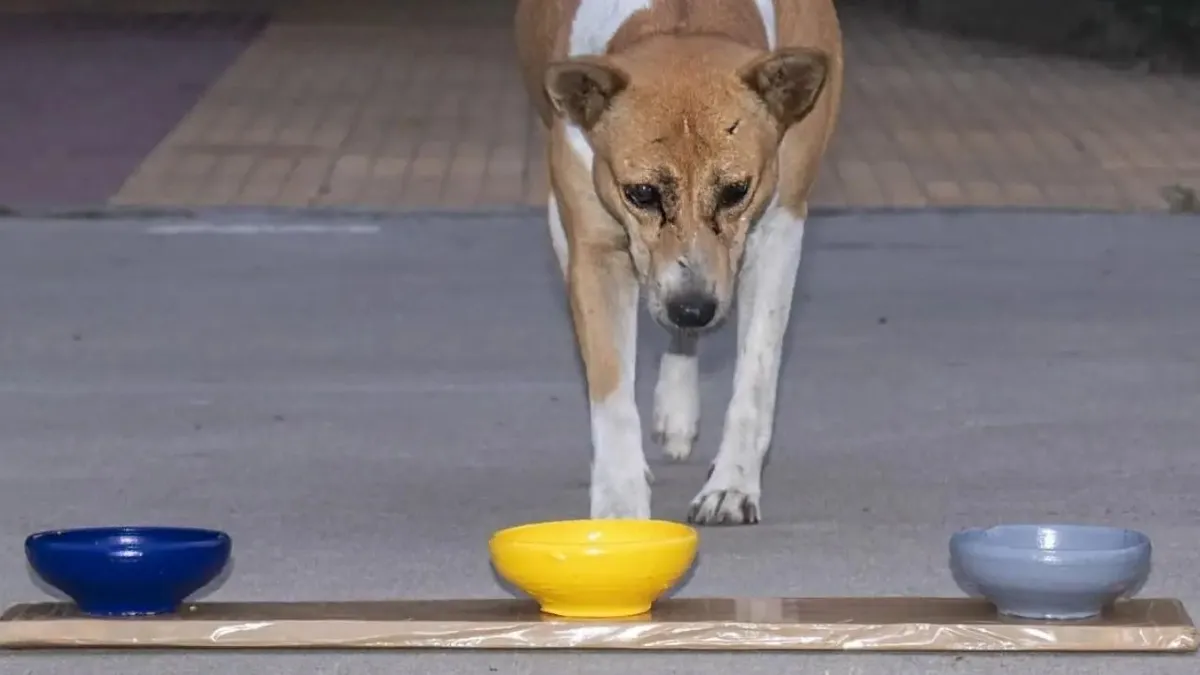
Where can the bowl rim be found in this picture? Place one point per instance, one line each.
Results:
(198, 537)
(686, 533)
(976, 539)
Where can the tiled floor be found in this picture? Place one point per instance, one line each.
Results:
(87, 96)
(411, 104)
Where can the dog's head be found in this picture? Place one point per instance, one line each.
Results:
(686, 133)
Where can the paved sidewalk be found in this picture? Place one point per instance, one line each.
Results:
(408, 104)
(87, 95)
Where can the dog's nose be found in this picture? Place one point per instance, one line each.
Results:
(692, 310)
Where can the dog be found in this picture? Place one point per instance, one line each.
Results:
(684, 137)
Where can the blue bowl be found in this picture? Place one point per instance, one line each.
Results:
(1050, 572)
(128, 571)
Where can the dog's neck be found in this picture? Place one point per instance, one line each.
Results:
(737, 21)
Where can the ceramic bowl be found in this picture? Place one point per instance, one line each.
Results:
(1050, 572)
(594, 568)
(128, 571)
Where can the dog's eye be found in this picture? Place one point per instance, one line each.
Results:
(643, 196)
(732, 194)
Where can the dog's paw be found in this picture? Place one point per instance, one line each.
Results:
(676, 446)
(620, 510)
(677, 406)
(628, 498)
(727, 506)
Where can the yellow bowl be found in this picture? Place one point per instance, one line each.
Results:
(594, 568)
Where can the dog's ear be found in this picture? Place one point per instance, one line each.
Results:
(582, 88)
(788, 81)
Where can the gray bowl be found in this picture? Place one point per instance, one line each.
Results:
(1050, 572)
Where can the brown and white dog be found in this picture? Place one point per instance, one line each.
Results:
(685, 136)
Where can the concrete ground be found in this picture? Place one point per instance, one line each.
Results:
(362, 401)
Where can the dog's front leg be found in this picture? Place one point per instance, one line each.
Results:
(677, 398)
(733, 490)
(604, 304)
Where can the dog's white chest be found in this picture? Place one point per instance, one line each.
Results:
(597, 21)
(766, 10)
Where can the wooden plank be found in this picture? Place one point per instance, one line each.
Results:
(776, 624)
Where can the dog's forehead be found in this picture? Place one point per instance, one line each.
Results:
(692, 131)
(664, 110)
(686, 108)
(669, 124)
(695, 77)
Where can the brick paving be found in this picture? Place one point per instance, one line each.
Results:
(410, 104)
(88, 95)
